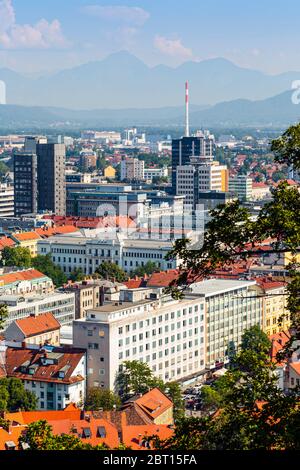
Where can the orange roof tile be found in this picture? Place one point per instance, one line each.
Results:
(6, 242)
(133, 435)
(163, 278)
(32, 326)
(295, 366)
(26, 236)
(13, 436)
(154, 403)
(26, 275)
(69, 360)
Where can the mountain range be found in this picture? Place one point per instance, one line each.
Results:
(276, 111)
(123, 81)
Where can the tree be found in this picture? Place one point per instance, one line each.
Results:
(111, 271)
(3, 315)
(99, 398)
(13, 396)
(3, 169)
(134, 378)
(173, 391)
(18, 256)
(149, 268)
(45, 264)
(287, 147)
(252, 411)
(77, 275)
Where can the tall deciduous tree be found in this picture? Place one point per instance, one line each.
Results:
(111, 271)
(99, 398)
(18, 256)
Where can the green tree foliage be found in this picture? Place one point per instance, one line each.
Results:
(99, 398)
(13, 396)
(45, 264)
(3, 315)
(252, 412)
(111, 271)
(287, 147)
(4, 169)
(77, 275)
(18, 256)
(149, 268)
(137, 378)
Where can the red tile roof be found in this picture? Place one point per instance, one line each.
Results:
(162, 278)
(26, 275)
(32, 326)
(26, 236)
(133, 435)
(69, 360)
(154, 403)
(295, 366)
(279, 340)
(6, 242)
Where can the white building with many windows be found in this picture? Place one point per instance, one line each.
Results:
(167, 334)
(178, 339)
(60, 304)
(87, 252)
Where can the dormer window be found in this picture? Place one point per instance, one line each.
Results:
(61, 374)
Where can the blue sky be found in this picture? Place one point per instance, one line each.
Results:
(48, 35)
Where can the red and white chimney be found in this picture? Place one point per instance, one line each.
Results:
(187, 126)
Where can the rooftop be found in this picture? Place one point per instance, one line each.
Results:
(215, 286)
(34, 325)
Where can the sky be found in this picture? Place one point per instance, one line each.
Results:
(43, 36)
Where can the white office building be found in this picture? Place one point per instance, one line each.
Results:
(167, 334)
(87, 252)
(60, 304)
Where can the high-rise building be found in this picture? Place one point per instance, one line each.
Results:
(6, 200)
(51, 177)
(132, 169)
(241, 186)
(25, 183)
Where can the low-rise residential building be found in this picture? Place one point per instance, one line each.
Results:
(27, 240)
(35, 329)
(61, 304)
(55, 375)
(24, 282)
(109, 172)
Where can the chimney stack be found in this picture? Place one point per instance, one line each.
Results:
(187, 126)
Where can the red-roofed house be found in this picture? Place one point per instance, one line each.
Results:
(35, 329)
(25, 281)
(162, 278)
(27, 240)
(154, 406)
(55, 375)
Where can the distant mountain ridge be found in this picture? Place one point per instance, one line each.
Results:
(275, 111)
(121, 80)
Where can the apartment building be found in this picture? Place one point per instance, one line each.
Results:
(61, 304)
(6, 200)
(167, 334)
(132, 169)
(24, 282)
(55, 375)
(241, 186)
(27, 240)
(274, 301)
(35, 329)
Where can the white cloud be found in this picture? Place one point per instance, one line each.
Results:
(172, 47)
(42, 35)
(121, 14)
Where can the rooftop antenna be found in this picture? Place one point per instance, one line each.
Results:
(187, 127)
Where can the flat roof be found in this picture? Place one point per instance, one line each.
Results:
(216, 286)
